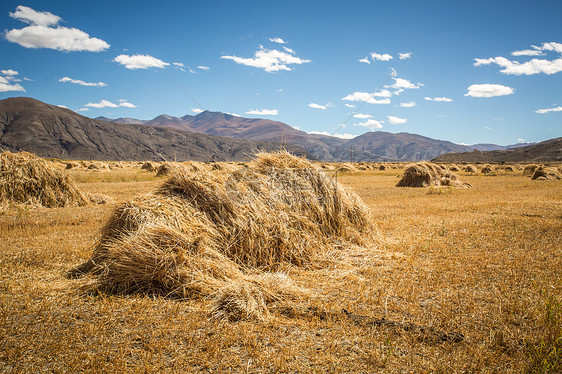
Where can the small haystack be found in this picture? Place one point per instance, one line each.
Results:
(454, 167)
(530, 169)
(167, 168)
(72, 165)
(149, 166)
(382, 167)
(425, 174)
(542, 173)
(470, 169)
(508, 169)
(218, 234)
(28, 179)
(98, 166)
(487, 169)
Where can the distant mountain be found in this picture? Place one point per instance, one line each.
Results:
(549, 150)
(127, 120)
(495, 147)
(51, 131)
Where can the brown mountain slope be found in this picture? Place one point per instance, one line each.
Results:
(549, 150)
(51, 131)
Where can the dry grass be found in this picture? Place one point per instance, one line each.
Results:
(484, 261)
(425, 174)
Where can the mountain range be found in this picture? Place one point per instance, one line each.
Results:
(52, 131)
(371, 146)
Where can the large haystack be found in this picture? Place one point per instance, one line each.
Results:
(487, 169)
(425, 174)
(542, 173)
(28, 179)
(214, 234)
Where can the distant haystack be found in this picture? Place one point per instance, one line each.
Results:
(487, 169)
(347, 168)
(509, 169)
(530, 169)
(470, 169)
(382, 167)
(425, 174)
(28, 179)
(542, 173)
(454, 167)
(98, 166)
(72, 165)
(167, 168)
(214, 234)
(148, 166)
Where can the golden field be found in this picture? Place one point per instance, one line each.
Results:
(484, 262)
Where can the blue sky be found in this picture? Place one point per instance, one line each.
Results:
(465, 71)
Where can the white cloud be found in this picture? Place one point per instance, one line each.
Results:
(349, 105)
(409, 104)
(488, 90)
(520, 140)
(140, 62)
(289, 50)
(341, 136)
(370, 123)
(234, 114)
(534, 66)
(381, 57)
(400, 84)
(270, 60)
(6, 86)
(109, 104)
(83, 109)
(317, 106)
(404, 56)
(277, 40)
(9, 72)
(365, 60)
(43, 32)
(82, 83)
(487, 127)
(263, 112)
(33, 17)
(197, 110)
(439, 99)
(203, 67)
(178, 64)
(362, 116)
(543, 111)
(369, 97)
(62, 106)
(396, 120)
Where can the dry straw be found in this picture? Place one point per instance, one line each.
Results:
(220, 234)
(28, 179)
(425, 174)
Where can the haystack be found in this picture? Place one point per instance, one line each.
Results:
(542, 173)
(509, 169)
(487, 169)
(148, 166)
(219, 234)
(98, 166)
(72, 165)
(425, 174)
(28, 179)
(382, 167)
(470, 169)
(166, 168)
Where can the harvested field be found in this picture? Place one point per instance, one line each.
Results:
(483, 262)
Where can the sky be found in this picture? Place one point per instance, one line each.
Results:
(464, 71)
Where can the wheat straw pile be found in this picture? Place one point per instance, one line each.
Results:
(30, 180)
(542, 173)
(425, 174)
(219, 235)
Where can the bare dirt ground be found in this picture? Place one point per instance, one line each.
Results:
(484, 262)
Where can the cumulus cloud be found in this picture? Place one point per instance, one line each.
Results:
(439, 99)
(140, 62)
(44, 32)
(277, 40)
(203, 67)
(341, 136)
(381, 57)
(365, 60)
(263, 112)
(409, 104)
(488, 90)
(82, 83)
(317, 106)
(7, 86)
(401, 84)
(543, 111)
(370, 123)
(370, 97)
(534, 66)
(9, 72)
(404, 56)
(109, 104)
(270, 60)
(362, 116)
(396, 120)
(197, 110)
